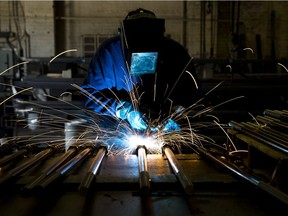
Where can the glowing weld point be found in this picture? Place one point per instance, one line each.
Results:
(138, 140)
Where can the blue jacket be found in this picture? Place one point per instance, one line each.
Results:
(109, 80)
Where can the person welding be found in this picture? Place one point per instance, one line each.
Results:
(139, 74)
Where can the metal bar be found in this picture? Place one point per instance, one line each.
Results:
(93, 169)
(178, 170)
(236, 170)
(253, 134)
(64, 169)
(23, 167)
(144, 177)
(12, 156)
(72, 151)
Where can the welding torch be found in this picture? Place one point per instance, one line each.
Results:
(93, 169)
(178, 170)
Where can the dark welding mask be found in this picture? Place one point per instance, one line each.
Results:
(141, 37)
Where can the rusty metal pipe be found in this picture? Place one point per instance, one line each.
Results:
(178, 170)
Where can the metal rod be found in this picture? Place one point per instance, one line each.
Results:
(264, 186)
(72, 151)
(64, 169)
(144, 178)
(252, 133)
(23, 167)
(93, 169)
(13, 156)
(178, 170)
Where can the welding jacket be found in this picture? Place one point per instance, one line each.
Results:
(109, 82)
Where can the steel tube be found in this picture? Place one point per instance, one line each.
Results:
(12, 156)
(23, 167)
(64, 169)
(92, 171)
(236, 170)
(178, 170)
(144, 178)
(72, 151)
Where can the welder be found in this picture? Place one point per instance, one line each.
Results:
(139, 74)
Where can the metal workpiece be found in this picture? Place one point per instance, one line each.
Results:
(72, 151)
(13, 156)
(44, 154)
(64, 169)
(246, 176)
(144, 177)
(261, 136)
(178, 170)
(93, 170)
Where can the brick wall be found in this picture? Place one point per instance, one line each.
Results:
(96, 17)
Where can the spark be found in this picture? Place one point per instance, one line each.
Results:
(27, 89)
(71, 50)
(122, 140)
(254, 118)
(16, 65)
(249, 49)
(283, 66)
(230, 68)
(196, 85)
(232, 143)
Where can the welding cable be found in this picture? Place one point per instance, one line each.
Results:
(23, 167)
(93, 169)
(178, 170)
(71, 152)
(144, 178)
(64, 169)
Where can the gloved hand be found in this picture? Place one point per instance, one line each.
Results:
(122, 109)
(136, 120)
(125, 111)
(171, 126)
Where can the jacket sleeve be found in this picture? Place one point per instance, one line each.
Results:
(105, 84)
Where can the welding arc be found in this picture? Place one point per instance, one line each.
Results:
(236, 170)
(93, 169)
(64, 169)
(23, 167)
(178, 170)
(72, 151)
(144, 178)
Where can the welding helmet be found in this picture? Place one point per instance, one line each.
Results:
(141, 36)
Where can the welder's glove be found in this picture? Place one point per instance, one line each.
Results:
(125, 111)
(136, 120)
(171, 126)
(123, 108)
